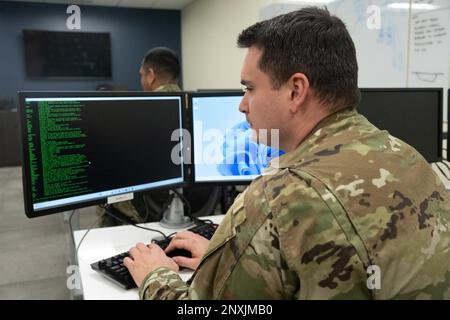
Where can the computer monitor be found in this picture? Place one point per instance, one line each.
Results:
(445, 128)
(223, 149)
(81, 149)
(219, 90)
(413, 115)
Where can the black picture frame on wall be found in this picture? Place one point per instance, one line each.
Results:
(61, 54)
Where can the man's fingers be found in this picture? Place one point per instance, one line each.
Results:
(128, 262)
(141, 247)
(185, 262)
(134, 252)
(178, 244)
(184, 235)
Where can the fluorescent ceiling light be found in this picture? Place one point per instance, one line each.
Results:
(415, 6)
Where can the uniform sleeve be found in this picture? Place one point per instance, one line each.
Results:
(163, 284)
(316, 239)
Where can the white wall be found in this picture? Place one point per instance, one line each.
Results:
(211, 59)
(209, 30)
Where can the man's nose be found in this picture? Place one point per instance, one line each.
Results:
(243, 106)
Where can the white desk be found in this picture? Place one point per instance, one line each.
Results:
(102, 243)
(443, 178)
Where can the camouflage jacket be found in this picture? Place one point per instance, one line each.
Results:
(350, 199)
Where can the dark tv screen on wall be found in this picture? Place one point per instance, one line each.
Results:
(59, 54)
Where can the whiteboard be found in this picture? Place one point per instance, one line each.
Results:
(382, 52)
(429, 47)
(393, 55)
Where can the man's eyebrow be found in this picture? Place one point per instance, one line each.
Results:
(246, 83)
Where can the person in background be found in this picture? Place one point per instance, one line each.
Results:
(160, 71)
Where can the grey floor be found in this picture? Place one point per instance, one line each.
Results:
(33, 252)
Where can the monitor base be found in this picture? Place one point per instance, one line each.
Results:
(174, 216)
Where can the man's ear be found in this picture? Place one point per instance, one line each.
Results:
(299, 86)
(150, 76)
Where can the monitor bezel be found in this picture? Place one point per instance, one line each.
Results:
(438, 90)
(26, 172)
(445, 134)
(209, 94)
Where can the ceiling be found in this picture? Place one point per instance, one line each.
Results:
(147, 4)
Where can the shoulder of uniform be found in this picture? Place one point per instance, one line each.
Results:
(283, 183)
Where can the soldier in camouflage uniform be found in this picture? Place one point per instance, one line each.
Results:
(159, 72)
(345, 198)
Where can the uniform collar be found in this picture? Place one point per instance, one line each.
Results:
(170, 87)
(328, 127)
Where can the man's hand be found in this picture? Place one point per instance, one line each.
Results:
(146, 259)
(192, 242)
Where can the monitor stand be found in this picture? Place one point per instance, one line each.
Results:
(72, 269)
(174, 216)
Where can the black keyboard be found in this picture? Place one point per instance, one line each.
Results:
(114, 269)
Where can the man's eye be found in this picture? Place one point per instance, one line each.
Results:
(247, 89)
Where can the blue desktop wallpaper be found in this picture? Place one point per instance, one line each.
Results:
(223, 145)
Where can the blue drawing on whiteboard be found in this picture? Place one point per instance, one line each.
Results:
(386, 36)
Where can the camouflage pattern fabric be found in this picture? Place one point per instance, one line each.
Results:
(349, 197)
(171, 87)
(126, 207)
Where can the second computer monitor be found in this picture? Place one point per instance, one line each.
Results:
(224, 149)
(413, 115)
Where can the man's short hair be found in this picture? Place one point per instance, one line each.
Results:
(312, 42)
(163, 61)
